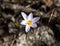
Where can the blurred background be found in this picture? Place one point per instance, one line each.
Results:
(12, 33)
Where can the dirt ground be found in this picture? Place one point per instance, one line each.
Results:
(12, 33)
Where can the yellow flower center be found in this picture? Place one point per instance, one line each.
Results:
(29, 22)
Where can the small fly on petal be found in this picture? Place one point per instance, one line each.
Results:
(29, 21)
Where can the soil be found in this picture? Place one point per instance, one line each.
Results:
(12, 33)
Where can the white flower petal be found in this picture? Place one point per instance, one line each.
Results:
(36, 19)
(23, 22)
(30, 17)
(27, 28)
(34, 25)
(24, 15)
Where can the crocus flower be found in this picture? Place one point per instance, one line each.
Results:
(29, 21)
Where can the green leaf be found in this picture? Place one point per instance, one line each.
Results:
(16, 23)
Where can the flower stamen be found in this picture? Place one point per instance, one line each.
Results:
(29, 22)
